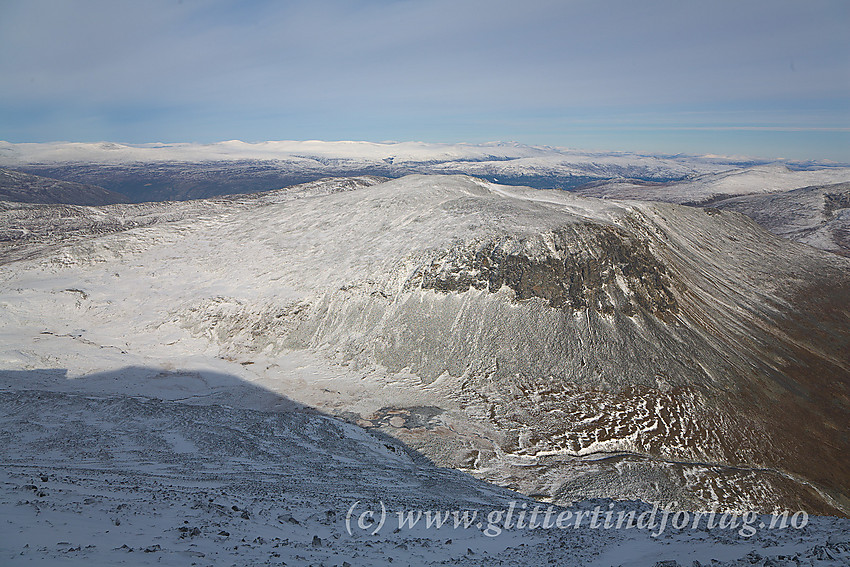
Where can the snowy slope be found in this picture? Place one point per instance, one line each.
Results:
(806, 206)
(161, 479)
(818, 216)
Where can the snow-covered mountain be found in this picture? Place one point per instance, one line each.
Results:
(149, 172)
(553, 328)
(560, 346)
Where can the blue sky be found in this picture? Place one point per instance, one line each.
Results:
(767, 78)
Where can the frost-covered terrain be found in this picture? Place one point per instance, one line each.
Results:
(818, 216)
(806, 206)
(564, 347)
(151, 172)
(137, 468)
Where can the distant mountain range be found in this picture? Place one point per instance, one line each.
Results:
(164, 172)
(156, 172)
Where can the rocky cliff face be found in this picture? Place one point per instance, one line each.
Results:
(573, 268)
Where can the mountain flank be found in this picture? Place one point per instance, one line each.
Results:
(27, 188)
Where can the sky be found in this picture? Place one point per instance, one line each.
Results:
(762, 78)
